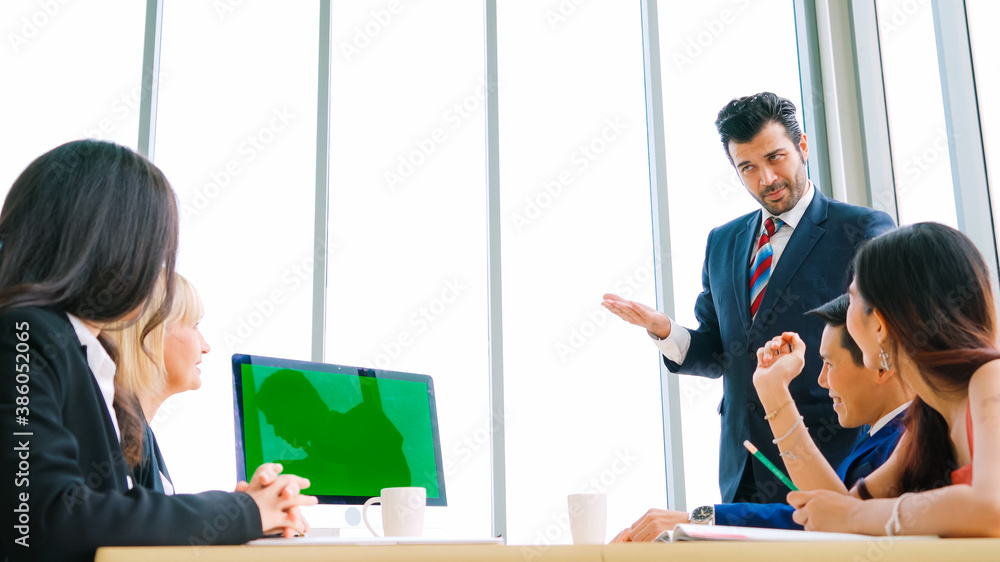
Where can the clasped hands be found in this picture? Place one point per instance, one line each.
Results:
(278, 499)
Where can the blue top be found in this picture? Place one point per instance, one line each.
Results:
(869, 453)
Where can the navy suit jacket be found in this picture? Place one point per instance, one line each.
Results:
(868, 455)
(813, 270)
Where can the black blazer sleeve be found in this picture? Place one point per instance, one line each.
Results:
(73, 471)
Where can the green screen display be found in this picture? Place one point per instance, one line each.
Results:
(349, 435)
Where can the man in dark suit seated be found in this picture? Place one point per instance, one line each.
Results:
(863, 397)
(762, 272)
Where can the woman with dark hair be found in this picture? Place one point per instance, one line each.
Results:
(921, 301)
(85, 232)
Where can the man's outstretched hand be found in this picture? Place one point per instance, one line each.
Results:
(654, 321)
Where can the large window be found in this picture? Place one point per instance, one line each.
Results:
(982, 14)
(710, 53)
(236, 137)
(407, 255)
(917, 130)
(69, 71)
(582, 387)
(407, 244)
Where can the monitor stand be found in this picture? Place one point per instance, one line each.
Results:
(327, 520)
(334, 520)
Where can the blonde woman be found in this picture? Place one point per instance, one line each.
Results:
(158, 360)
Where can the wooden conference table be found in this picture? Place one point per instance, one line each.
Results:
(877, 550)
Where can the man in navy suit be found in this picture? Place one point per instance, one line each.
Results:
(874, 400)
(762, 272)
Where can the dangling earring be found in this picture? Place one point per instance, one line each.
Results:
(884, 357)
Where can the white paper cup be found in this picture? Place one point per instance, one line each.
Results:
(588, 518)
(402, 511)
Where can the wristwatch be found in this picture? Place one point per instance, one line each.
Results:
(704, 515)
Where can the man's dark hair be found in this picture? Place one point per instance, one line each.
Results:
(834, 313)
(743, 118)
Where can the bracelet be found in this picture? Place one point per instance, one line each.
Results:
(775, 413)
(787, 453)
(790, 431)
(863, 492)
(893, 526)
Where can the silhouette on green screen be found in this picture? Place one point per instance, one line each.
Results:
(360, 446)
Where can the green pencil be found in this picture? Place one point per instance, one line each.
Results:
(770, 466)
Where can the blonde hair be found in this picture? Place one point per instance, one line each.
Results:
(140, 363)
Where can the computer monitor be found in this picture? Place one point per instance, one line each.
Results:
(350, 430)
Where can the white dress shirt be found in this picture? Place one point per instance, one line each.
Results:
(103, 369)
(675, 346)
(101, 366)
(887, 418)
(168, 486)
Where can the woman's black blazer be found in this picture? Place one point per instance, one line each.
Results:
(69, 467)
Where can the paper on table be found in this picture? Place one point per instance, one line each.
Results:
(685, 532)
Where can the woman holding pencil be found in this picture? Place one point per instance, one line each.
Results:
(921, 302)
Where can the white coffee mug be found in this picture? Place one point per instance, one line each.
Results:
(402, 511)
(588, 518)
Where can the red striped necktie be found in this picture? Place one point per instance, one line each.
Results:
(760, 269)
